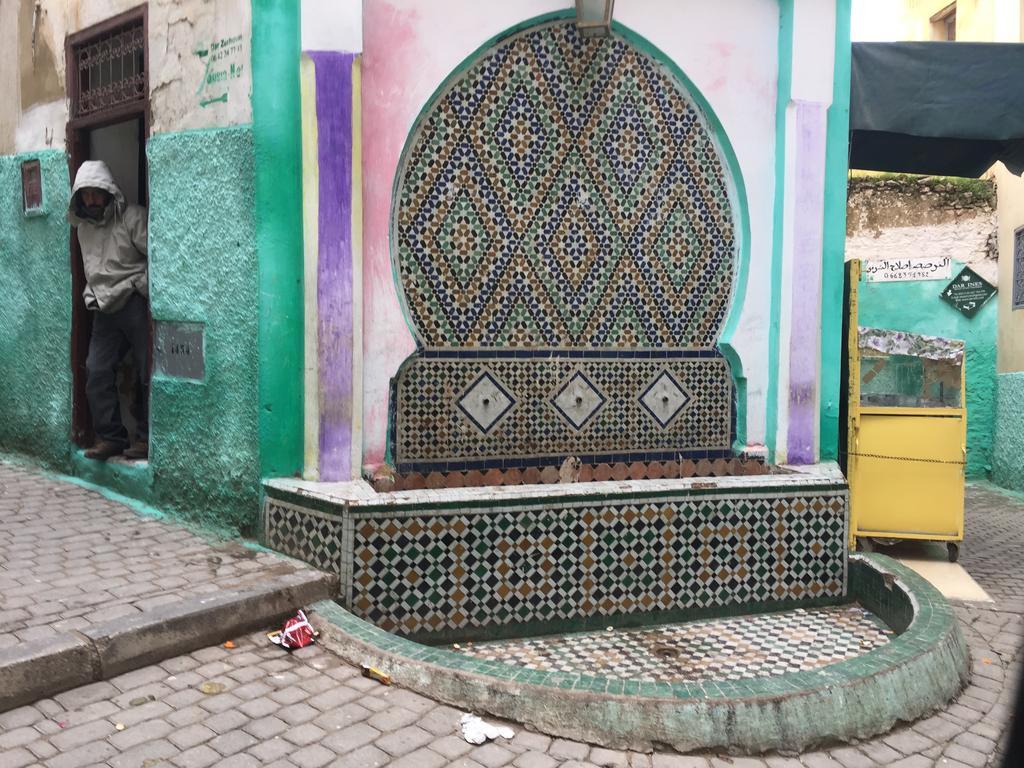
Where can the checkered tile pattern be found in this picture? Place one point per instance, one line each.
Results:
(303, 534)
(425, 572)
(739, 648)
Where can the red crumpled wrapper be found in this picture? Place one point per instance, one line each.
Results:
(297, 633)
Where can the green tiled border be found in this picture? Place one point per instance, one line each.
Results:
(918, 671)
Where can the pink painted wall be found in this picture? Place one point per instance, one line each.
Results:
(727, 48)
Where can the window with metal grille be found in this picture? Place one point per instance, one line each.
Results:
(1018, 269)
(110, 69)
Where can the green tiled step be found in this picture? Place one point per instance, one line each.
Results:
(918, 671)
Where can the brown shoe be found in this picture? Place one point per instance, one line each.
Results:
(104, 450)
(139, 450)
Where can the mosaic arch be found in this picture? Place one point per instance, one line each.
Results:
(565, 241)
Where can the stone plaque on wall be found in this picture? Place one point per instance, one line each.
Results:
(31, 187)
(178, 350)
(893, 270)
(1018, 269)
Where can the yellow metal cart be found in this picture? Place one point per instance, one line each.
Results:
(906, 434)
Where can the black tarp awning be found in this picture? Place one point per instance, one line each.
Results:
(951, 109)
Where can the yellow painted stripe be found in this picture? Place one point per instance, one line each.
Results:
(357, 268)
(311, 252)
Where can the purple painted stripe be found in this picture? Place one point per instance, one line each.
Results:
(334, 269)
(809, 207)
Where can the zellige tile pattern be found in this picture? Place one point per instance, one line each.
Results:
(562, 195)
(739, 648)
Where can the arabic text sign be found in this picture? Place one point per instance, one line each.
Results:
(888, 270)
(968, 292)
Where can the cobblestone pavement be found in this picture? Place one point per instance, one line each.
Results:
(310, 709)
(70, 558)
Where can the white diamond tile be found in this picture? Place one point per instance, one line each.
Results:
(578, 400)
(665, 398)
(485, 402)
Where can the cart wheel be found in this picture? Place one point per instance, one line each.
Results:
(953, 550)
(864, 544)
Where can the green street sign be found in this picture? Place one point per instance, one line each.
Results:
(968, 292)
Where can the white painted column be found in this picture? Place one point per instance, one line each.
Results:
(797, 438)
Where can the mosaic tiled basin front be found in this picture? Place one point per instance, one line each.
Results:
(513, 561)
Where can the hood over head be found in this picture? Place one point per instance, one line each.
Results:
(96, 174)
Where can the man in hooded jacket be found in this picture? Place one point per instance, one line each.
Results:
(113, 240)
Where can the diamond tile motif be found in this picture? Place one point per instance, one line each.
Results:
(485, 402)
(562, 194)
(569, 153)
(577, 400)
(740, 648)
(427, 388)
(664, 398)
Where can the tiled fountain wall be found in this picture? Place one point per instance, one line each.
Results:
(474, 562)
(564, 233)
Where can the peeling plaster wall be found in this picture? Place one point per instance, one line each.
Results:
(889, 219)
(728, 49)
(35, 317)
(187, 65)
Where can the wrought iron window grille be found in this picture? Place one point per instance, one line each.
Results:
(110, 70)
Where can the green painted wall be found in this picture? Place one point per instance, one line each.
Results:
(277, 123)
(784, 90)
(1008, 450)
(35, 314)
(204, 454)
(915, 306)
(836, 167)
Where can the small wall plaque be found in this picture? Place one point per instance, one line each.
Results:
(1018, 269)
(968, 292)
(31, 188)
(178, 350)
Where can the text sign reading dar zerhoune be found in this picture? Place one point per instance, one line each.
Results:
(968, 292)
(178, 350)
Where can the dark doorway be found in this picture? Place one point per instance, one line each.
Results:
(108, 89)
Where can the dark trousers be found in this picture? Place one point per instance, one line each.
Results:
(114, 335)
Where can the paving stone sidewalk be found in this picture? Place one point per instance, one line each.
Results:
(310, 709)
(71, 558)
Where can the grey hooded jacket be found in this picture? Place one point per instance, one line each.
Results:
(114, 249)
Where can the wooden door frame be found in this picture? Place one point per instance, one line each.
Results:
(77, 134)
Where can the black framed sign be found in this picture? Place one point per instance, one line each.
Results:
(968, 292)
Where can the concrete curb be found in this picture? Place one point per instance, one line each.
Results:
(36, 670)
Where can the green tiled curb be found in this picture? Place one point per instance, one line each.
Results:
(918, 671)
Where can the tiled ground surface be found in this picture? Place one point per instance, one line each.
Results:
(70, 558)
(739, 648)
(309, 709)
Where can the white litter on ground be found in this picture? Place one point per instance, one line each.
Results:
(476, 731)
